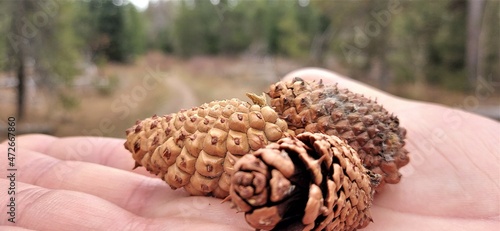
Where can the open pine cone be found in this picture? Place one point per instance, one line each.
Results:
(197, 148)
(366, 126)
(314, 181)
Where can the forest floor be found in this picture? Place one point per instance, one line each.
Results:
(114, 96)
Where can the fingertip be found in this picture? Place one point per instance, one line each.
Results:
(35, 142)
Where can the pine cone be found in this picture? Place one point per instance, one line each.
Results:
(197, 148)
(365, 125)
(314, 181)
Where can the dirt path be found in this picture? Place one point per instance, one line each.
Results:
(182, 96)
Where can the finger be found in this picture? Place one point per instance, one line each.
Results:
(35, 204)
(13, 228)
(99, 150)
(42, 142)
(44, 209)
(138, 194)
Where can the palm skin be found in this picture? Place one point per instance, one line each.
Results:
(86, 183)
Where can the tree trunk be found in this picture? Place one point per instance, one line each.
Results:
(475, 9)
(21, 59)
(21, 89)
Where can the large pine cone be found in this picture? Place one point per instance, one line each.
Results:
(197, 148)
(365, 125)
(314, 181)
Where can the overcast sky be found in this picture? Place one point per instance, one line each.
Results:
(141, 4)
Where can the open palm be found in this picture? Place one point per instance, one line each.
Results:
(86, 183)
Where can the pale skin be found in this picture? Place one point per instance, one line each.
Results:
(87, 183)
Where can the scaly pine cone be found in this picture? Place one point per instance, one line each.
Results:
(314, 181)
(197, 148)
(365, 125)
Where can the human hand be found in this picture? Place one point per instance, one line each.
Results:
(86, 183)
(453, 179)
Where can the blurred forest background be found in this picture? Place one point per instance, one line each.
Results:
(92, 67)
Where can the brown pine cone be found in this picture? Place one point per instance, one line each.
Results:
(197, 148)
(365, 125)
(312, 182)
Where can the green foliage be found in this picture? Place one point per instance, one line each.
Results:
(234, 27)
(116, 31)
(134, 31)
(412, 30)
(291, 38)
(58, 51)
(43, 32)
(203, 28)
(196, 29)
(344, 18)
(165, 41)
(4, 27)
(420, 41)
(490, 60)
(429, 43)
(447, 49)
